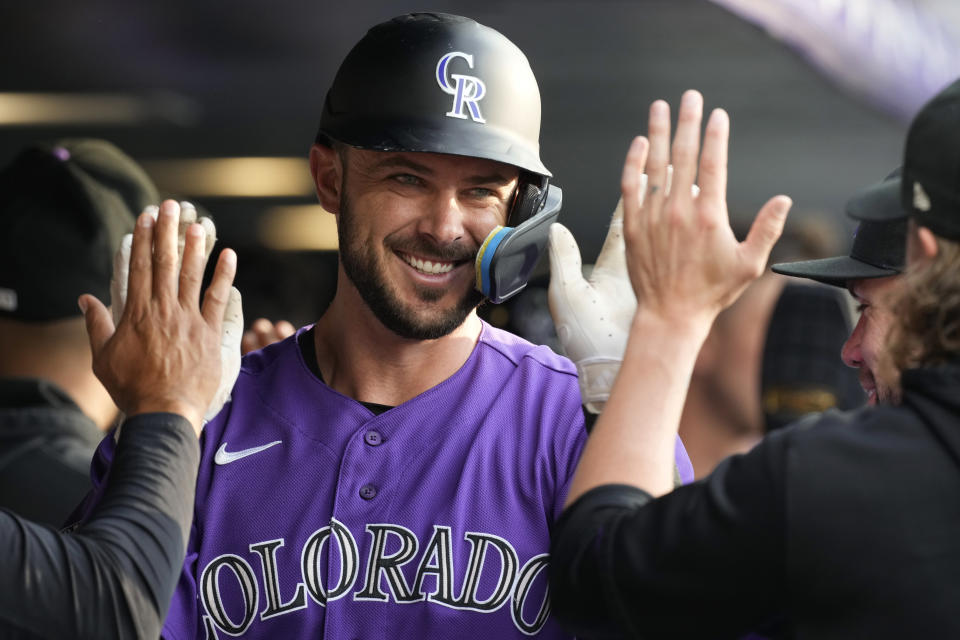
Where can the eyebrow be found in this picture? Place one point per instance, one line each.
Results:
(401, 162)
(394, 162)
(493, 178)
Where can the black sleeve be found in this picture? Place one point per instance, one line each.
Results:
(115, 575)
(706, 560)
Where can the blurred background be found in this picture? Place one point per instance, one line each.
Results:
(220, 101)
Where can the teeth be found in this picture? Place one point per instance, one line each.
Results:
(426, 266)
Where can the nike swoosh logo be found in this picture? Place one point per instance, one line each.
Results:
(226, 457)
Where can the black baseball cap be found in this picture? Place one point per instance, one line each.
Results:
(879, 246)
(930, 186)
(64, 208)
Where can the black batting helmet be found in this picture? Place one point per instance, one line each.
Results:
(438, 83)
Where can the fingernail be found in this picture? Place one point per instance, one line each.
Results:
(145, 220)
(717, 116)
(195, 230)
(82, 303)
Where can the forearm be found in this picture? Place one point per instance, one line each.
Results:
(115, 575)
(634, 438)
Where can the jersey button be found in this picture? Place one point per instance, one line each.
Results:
(368, 492)
(373, 438)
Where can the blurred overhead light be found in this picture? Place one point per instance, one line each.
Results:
(233, 177)
(298, 228)
(120, 109)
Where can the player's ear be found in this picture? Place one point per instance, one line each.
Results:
(927, 243)
(327, 170)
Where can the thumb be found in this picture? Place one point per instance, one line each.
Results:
(766, 230)
(99, 322)
(121, 275)
(210, 235)
(617, 217)
(613, 253)
(232, 327)
(565, 265)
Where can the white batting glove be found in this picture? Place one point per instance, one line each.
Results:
(231, 331)
(592, 316)
(232, 327)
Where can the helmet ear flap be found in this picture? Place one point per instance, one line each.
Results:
(508, 255)
(528, 199)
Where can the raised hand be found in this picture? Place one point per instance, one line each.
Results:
(121, 259)
(685, 266)
(593, 315)
(683, 259)
(164, 353)
(232, 327)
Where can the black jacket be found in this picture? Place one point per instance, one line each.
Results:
(114, 575)
(46, 443)
(842, 526)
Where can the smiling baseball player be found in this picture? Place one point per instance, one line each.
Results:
(394, 470)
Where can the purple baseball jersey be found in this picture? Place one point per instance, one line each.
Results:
(317, 518)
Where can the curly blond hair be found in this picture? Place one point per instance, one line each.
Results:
(926, 329)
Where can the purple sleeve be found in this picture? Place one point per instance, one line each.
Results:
(99, 473)
(682, 460)
(183, 619)
(569, 455)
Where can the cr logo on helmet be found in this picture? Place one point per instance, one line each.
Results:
(466, 90)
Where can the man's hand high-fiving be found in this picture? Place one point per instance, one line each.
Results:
(164, 354)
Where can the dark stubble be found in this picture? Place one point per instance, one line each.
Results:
(365, 268)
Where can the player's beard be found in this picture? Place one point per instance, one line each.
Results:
(364, 266)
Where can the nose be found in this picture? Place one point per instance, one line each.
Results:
(444, 220)
(850, 352)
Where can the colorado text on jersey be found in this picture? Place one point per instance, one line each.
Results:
(493, 577)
